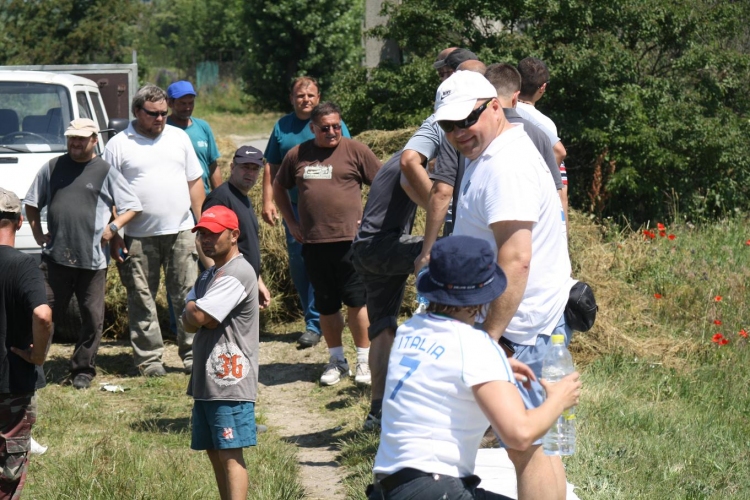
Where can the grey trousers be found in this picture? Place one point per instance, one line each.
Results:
(177, 255)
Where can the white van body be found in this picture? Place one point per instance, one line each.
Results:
(35, 109)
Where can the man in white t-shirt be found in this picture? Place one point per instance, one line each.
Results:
(534, 81)
(508, 198)
(160, 164)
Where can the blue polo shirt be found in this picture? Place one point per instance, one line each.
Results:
(204, 145)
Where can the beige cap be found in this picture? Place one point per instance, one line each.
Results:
(82, 127)
(9, 202)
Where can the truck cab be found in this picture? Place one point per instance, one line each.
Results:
(35, 109)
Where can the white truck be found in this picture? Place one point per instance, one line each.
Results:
(37, 104)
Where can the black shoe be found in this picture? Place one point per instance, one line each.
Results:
(308, 339)
(81, 381)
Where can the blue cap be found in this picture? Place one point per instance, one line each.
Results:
(462, 272)
(179, 89)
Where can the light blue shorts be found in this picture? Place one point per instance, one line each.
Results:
(223, 425)
(533, 355)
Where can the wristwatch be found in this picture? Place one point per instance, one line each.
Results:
(113, 227)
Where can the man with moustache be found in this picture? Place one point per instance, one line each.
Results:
(244, 169)
(291, 130)
(79, 190)
(163, 170)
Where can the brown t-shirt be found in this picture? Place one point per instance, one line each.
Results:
(330, 187)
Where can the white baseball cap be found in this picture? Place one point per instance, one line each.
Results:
(458, 94)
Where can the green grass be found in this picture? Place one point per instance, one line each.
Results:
(135, 444)
(665, 411)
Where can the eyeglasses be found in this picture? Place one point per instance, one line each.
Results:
(327, 128)
(155, 113)
(449, 125)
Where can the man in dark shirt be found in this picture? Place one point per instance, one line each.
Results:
(245, 167)
(25, 332)
(79, 190)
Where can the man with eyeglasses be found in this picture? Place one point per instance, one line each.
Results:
(534, 82)
(508, 199)
(160, 164)
(291, 130)
(329, 171)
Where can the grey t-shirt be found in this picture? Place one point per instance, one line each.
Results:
(389, 209)
(79, 199)
(426, 140)
(225, 359)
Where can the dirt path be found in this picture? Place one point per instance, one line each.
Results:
(290, 403)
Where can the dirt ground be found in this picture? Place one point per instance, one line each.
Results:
(290, 400)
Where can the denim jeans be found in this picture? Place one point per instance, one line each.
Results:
(437, 487)
(300, 279)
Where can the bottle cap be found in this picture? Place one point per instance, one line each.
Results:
(558, 339)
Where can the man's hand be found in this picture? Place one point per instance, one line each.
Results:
(421, 261)
(522, 372)
(28, 355)
(107, 235)
(264, 295)
(269, 213)
(295, 230)
(43, 240)
(115, 245)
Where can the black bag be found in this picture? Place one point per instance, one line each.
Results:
(580, 313)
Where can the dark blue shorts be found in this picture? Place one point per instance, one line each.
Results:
(223, 425)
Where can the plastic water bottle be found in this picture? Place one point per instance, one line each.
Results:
(422, 302)
(561, 438)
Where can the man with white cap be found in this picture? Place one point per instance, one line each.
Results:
(79, 190)
(508, 199)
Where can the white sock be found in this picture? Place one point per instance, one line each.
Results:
(363, 354)
(337, 353)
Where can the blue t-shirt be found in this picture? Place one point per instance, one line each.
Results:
(204, 145)
(288, 132)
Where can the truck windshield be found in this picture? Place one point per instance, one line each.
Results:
(32, 116)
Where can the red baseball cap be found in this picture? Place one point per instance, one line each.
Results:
(217, 219)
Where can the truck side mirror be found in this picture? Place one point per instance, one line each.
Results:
(116, 125)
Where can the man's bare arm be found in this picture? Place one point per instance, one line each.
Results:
(193, 315)
(281, 195)
(513, 239)
(269, 213)
(41, 330)
(214, 175)
(560, 152)
(35, 221)
(197, 196)
(418, 183)
(441, 196)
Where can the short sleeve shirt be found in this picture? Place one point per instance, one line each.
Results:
(79, 198)
(539, 119)
(329, 181)
(426, 139)
(158, 171)
(225, 359)
(204, 144)
(21, 291)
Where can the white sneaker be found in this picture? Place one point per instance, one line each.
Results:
(362, 375)
(334, 369)
(36, 448)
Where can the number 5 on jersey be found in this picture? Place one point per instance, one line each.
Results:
(412, 364)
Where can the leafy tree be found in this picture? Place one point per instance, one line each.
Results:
(67, 31)
(288, 38)
(649, 96)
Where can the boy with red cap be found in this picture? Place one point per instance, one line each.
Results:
(222, 308)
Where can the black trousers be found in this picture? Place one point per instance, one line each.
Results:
(89, 288)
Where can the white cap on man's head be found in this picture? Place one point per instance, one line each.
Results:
(458, 94)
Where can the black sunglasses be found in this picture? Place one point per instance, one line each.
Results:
(449, 125)
(155, 113)
(326, 128)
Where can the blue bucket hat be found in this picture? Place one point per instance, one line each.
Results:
(462, 272)
(179, 89)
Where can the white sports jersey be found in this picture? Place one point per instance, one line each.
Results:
(431, 420)
(510, 181)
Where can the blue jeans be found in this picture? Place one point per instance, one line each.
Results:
(437, 487)
(300, 279)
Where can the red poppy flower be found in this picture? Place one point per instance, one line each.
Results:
(717, 322)
(652, 235)
(663, 233)
(742, 333)
(660, 226)
(747, 243)
(648, 234)
(717, 298)
(671, 236)
(723, 341)
(657, 296)
(717, 338)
